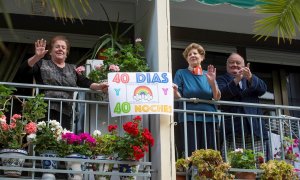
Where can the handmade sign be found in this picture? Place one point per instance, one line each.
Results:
(140, 93)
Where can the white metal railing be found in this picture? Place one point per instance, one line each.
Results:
(276, 123)
(94, 114)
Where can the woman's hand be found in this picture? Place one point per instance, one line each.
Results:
(40, 48)
(211, 77)
(211, 74)
(100, 86)
(175, 89)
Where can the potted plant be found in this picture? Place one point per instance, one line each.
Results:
(208, 163)
(47, 139)
(13, 141)
(244, 159)
(288, 147)
(114, 39)
(48, 136)
(104, 149)
(133, 145)
(75, 147)
(274, 170)
(19, 131)
(182, 166)
(128, 59)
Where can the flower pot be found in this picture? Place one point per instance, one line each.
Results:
(49, 164)
(103, 167)
(132, 167)
(207, 174)
(180, 177)
(75, 166)
(245, 175)
(195, 173)
(18, 161)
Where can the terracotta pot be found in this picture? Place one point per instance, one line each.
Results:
(245, 175)
(99, 54)
(207, 174)
(180, 177)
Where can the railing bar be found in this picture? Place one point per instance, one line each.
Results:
(264, 151)
(243, 134)
(60, 115)
(214, 132)
(195, 132)
(233, 132)
(252, 134)
(11, 106)
(73, 171)
(281, 134)
(235, 114)
(224, 137)
(185, 131)
(48, 117)
(271, 144)
(97, 116)
(204, 128)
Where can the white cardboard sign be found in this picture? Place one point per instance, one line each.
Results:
(140, 93)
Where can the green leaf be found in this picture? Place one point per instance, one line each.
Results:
(283, 17)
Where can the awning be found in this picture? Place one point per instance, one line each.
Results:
(238, 3)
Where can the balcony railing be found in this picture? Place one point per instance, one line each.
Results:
(278, 121)
(90, 114)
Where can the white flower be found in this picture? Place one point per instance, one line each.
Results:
(96, 133)
(41, 124)
(138, 40)
(31, 137)
(239, 150)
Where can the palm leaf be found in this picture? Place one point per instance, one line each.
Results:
(283, 19)
(69, 9)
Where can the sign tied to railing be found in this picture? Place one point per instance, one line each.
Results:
(140, 93)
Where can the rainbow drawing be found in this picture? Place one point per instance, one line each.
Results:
(142, 93)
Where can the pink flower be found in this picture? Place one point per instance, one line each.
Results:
(98, 67)
(31, 128)
(4, 126)
(80, 70)
(114, 68)
(12, 125)
(16, 116)
(297, 170)
(87, 137)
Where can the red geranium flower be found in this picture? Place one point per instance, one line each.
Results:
(112, 127)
